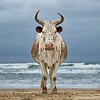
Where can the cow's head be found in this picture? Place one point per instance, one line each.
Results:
(49, 31)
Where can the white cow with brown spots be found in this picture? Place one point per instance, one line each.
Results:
(49, 50)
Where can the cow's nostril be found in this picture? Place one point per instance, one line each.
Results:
(51, 44)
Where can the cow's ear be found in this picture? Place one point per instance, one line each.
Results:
(59, 29)
(39, 29)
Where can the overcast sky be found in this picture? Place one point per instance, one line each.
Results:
(81, 28)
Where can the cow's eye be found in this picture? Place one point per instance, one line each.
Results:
(42, 31)
(55, 31)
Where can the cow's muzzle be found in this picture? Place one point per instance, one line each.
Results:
(49, 46)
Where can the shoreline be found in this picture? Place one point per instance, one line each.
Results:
(63, 94)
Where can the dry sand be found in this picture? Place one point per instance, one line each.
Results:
(63, 94)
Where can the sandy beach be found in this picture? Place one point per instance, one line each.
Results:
(63, 94)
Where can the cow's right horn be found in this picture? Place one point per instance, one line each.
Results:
(37, 20)
(60, 21)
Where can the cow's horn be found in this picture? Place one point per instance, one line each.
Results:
(37, 20)
(60, 21)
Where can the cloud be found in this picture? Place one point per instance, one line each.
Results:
(81, 25)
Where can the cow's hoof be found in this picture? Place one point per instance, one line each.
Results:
(44, 90)
(54, 90)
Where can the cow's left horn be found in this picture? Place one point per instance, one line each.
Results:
(60, 21)
(37, 20)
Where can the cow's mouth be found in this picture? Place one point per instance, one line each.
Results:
(49, 47)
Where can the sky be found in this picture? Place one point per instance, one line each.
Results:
(81, 28)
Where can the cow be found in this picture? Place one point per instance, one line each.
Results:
(49, 50)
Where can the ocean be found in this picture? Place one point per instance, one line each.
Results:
(70, 75)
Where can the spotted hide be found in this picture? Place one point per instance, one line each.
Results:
(49, 50)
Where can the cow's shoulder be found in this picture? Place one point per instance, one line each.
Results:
(35, 47)
(34, 50)
(63, 50)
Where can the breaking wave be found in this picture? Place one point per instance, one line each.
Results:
(72, 75)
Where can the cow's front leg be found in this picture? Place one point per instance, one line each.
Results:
(54, 77)
(44, 77)
(50, 75)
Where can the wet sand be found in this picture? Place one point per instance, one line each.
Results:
(63, 94)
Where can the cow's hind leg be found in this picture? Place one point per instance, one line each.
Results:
(54, 76)
(44, 77)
